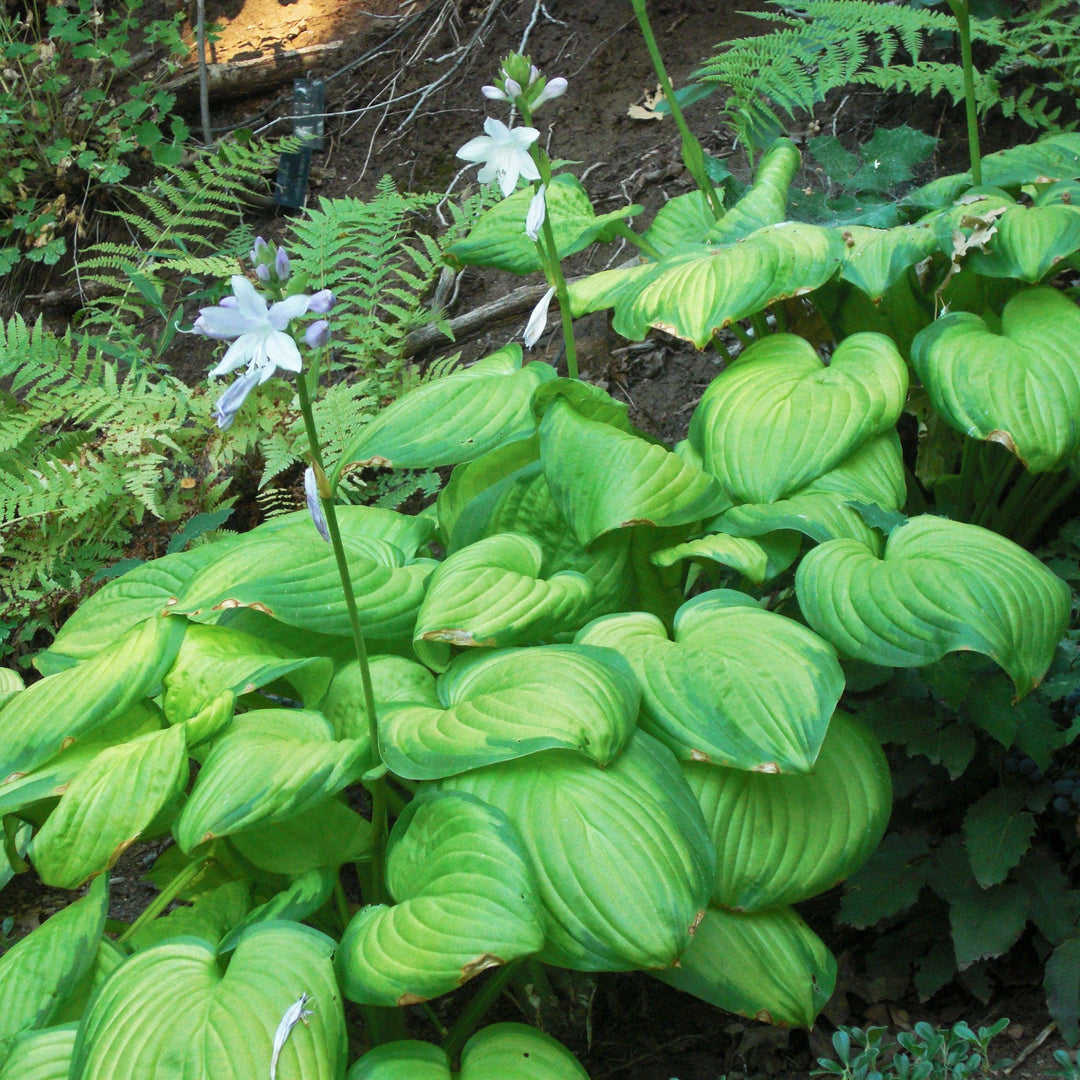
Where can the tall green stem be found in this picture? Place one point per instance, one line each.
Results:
(693, 155)
(167, 895)
(376, 785)
(475, 1011)
(963, 22)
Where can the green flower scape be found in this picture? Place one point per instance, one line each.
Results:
(607, 705)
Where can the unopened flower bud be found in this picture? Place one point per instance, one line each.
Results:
(262, 272)
(513, 88)
(493, 93)
(257, 251)
(534, 219)
(281, 264)
(322, 301)
(554, 89)
(314, 502)
(538, 319)
(317, 334)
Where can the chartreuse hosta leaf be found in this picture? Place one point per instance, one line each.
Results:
(875, 259)
(408, 533)
(759, 560)
(695, 294)
(513, 702)
(491, 594)
(53, 778)
(498, 238)
(655, 486)
(506, 491)
(393, 679)
(1019, 386)
(108, 806)
(453, 419)
(295, 579)
(269, 765)
(41, 1055)
(329, 834)
(214, 658)
(778, 418)
(942, 586)
(39, 722)
(782, 839)
(126, 601)
(1056, 157)
(466, 901)
(765, 203)
(171, 1012)
(38, 972)
(738, 686)
(211, 914)
(765, 964)
(621, 855)
(301, 898)
(498, 1052)
(873, 474)
(1029, 242)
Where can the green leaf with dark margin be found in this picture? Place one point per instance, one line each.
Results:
(758, 559)
(1019, 387)
(997, 832)
(122, 604)
(393, 678)
(497, 1052)
(739, 686)
(303, 897)
(108, 806)
(50, 780)
(507, 704)
(768, 965)
(466, 902)
(831, 820)
(270, 764)
(491, 594)
(295, 579)
(36, 972)
(329, 834)
(213, 659)
(454, 419)
(40, 721)
(621, 855)
(173, 1007)
(778, 418)
(498, 238)
(653, 486)
(211, 915)
(942, 586)
(41, 1055)
(695, 294)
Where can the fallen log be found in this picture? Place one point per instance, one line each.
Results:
(247, 78)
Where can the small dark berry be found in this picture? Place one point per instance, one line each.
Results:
(1062, 805)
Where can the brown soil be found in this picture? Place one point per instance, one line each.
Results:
(403, 95)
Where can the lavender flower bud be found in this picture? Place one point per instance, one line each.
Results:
(257, 251)
(554, 89)
(322, 302)
(512, 87)
(314, 503)
(493, 93)
(281, 264)
(228, 405)
(262, 272)
(317, 334)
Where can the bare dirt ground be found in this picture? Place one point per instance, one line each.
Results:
(402, 97)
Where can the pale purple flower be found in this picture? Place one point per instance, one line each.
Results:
(262, 272)
(228, 405)
(534, 219)
(538, 319)
(555, 89)
(257, 251)
(317, 334)
(493, 93)
(322, 301)
(534, 73)
(504, 153)
(281, 264)
(258, 330)
(314, 503)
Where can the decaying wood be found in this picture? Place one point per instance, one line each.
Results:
(478, 320)
(245, 78)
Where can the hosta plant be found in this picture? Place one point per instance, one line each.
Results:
(592, 694)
